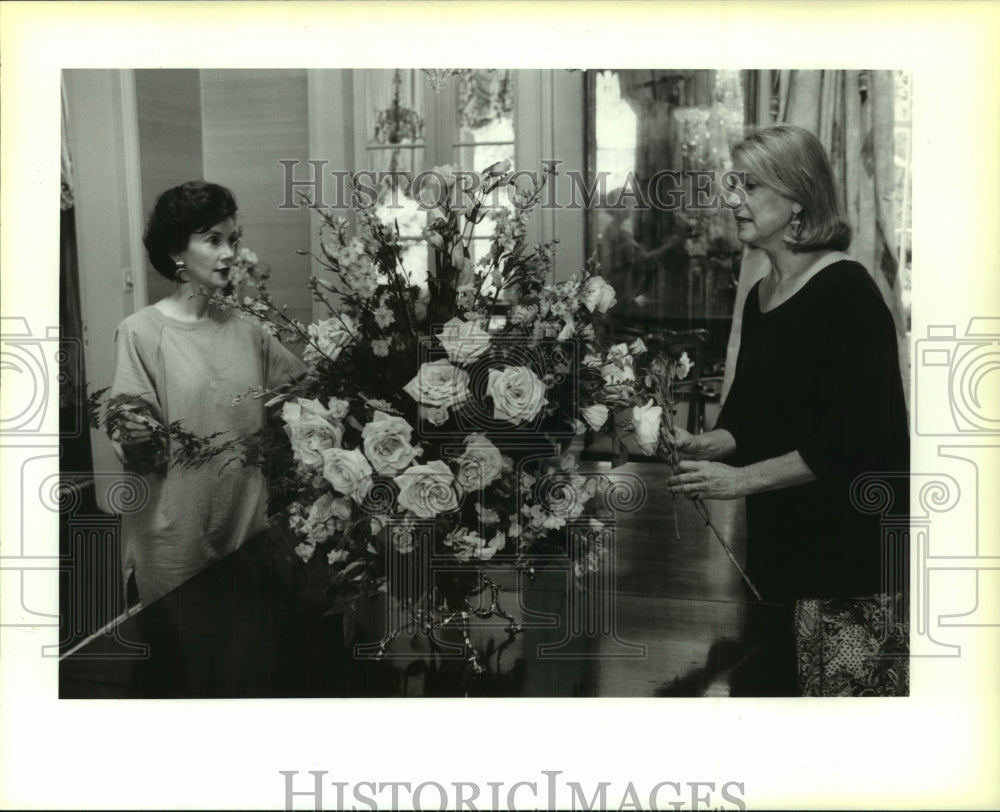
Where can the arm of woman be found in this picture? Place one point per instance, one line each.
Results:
(716, 480)
(861, 419)
(281, 365)
(132, 414)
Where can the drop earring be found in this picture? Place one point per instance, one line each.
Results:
(179, 268)
(796, 225)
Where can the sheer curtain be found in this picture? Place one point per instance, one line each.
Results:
(851, 112)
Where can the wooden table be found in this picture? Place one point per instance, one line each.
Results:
(667, 616)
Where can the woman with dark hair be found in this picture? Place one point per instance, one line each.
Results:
(817, 401)
(185, 359)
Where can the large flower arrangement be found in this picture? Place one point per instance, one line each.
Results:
(441, 424)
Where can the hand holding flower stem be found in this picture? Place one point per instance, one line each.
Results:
(662, 393)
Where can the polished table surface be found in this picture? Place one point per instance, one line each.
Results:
(666, 616)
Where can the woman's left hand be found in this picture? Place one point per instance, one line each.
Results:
(708, 480)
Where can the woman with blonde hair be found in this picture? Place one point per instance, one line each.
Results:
(816, 402)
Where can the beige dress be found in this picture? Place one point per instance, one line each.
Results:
(192, 372)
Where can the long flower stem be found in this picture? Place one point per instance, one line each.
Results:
(664, 398)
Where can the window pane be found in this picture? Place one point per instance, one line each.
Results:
(485, 115)
(414, 257)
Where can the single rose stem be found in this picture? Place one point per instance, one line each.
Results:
(746, 578)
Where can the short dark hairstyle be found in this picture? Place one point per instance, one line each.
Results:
(191, 208)
(792, 161)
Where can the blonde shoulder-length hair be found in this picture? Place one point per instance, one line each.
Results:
(792, 161)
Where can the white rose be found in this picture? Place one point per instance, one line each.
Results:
(518, 394)
(326, 516)
(311, 430)
(386, 442)
(566, 496)
(435, 415)
(348, 471)
(337, 407)
(597, 294)
(427, 490)
(438, 383)
(480, 465)
(683, 367)
(401, 537)
(464, 341)
(596, 415)
(330, 336)
(646, 420)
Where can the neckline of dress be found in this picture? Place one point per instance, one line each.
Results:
(206, 323)
(823, 264)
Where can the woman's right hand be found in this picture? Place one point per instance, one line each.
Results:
(684, 441)
(137, 429)
(681, 440)
(141, 450)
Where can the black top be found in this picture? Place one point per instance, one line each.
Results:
(819, 374)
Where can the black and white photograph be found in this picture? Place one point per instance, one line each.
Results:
(354, 402)
(413, 420)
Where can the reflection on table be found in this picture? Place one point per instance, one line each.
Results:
(667, 616)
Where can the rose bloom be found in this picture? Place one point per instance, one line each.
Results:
(438, 383)
(596, 415)
(683, 367)
(330, 336)
(435, 415)
(326, 516)
(464, 341)
(567, 497)
(386, 441)
(337, 407)
(646, 420)
(348, 471)
(480, 465)
(427, 490)
(401, 537)
(598, 295)
(518, 394)
(311, 430)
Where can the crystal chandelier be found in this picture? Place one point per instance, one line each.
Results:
(437, 78)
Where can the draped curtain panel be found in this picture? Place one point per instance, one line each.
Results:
(851, 112)
(75, 443)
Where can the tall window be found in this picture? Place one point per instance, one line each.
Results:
(484, 116)
(411, 127)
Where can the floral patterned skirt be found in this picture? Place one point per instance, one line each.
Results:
(853, 646)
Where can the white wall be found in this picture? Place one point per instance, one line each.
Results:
(103, 141)
(251, 119)
(168, 106)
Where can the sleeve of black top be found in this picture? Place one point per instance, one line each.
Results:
(862, 389)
